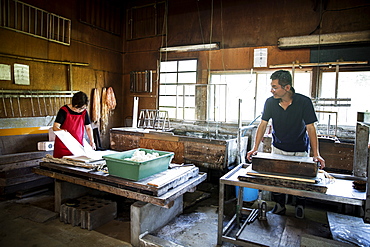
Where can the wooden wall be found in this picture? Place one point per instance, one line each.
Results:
(99, 52)
(239, 26)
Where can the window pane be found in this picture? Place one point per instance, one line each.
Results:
(188, 77)
(173, 95)
(224, 99)
(167, 89)
(180, 101)
(189, 90)
(328, 85)
(262, 91)
(189, 102)
(188, 65)
(179, 113)
(171, 111)
(169, 66)
(167, 100)
(168, 78)
(190, 113)
(302, 83)
(353, 85)
(180, 90)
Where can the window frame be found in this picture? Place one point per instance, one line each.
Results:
(183, 108)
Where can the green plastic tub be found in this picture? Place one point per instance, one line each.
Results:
(133, 170)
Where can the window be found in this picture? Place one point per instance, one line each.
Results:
(351, 85)
(224, 93)
(177, 88)
(146, 21)
(253, 89)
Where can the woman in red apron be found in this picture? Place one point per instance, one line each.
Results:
(75, 119)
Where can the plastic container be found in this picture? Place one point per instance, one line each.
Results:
(133, 170)
(249, 194)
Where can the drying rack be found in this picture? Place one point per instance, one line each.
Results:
(32, 103)
(154, 119)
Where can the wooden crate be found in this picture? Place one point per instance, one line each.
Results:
(282, 164)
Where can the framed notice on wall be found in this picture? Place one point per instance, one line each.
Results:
(21, 74)
(5, 72)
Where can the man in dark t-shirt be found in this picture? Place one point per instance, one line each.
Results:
(293, 123)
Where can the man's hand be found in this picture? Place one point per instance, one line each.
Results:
(321, 160)
(250, 154)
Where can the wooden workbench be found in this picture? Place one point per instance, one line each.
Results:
(175, 182)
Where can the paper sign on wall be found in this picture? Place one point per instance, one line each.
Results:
(260, 57)
(5, 72)
(21, 74)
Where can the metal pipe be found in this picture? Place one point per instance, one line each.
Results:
(33, 110)
(11, 106)
(19, 107)
(51, 106)
(336, 82)
(38, 100)
(44, 60)
(239, 132)
(46, 110)
(6, 114)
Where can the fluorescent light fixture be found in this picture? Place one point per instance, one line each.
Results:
(324, 39)
(184, 48)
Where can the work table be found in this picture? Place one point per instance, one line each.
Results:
(338, 190)
(175, 182)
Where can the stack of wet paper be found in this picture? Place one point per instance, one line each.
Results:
(81, 153)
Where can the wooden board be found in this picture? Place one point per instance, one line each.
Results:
(124, 141)
(182, 174)
(164, 200)
(294, 184)
(338, 156)
(165, 145)
(297, 179)
(208, 155)
(283, 164)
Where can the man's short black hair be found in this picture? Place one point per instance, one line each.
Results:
(284, 77)
(79, 99)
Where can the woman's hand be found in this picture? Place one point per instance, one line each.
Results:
(92, 144)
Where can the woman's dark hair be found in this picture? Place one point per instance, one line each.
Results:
(79, 99)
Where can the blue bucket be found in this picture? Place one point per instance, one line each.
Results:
(249, 194)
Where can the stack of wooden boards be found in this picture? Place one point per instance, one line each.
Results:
(285, 171)
(16, 174)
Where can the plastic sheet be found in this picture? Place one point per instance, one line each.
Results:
(349, 229)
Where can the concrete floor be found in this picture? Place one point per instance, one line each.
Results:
(32, 222)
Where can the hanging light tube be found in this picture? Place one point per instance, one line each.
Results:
(187, 48)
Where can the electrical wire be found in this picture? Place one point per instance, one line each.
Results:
(319, 26)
